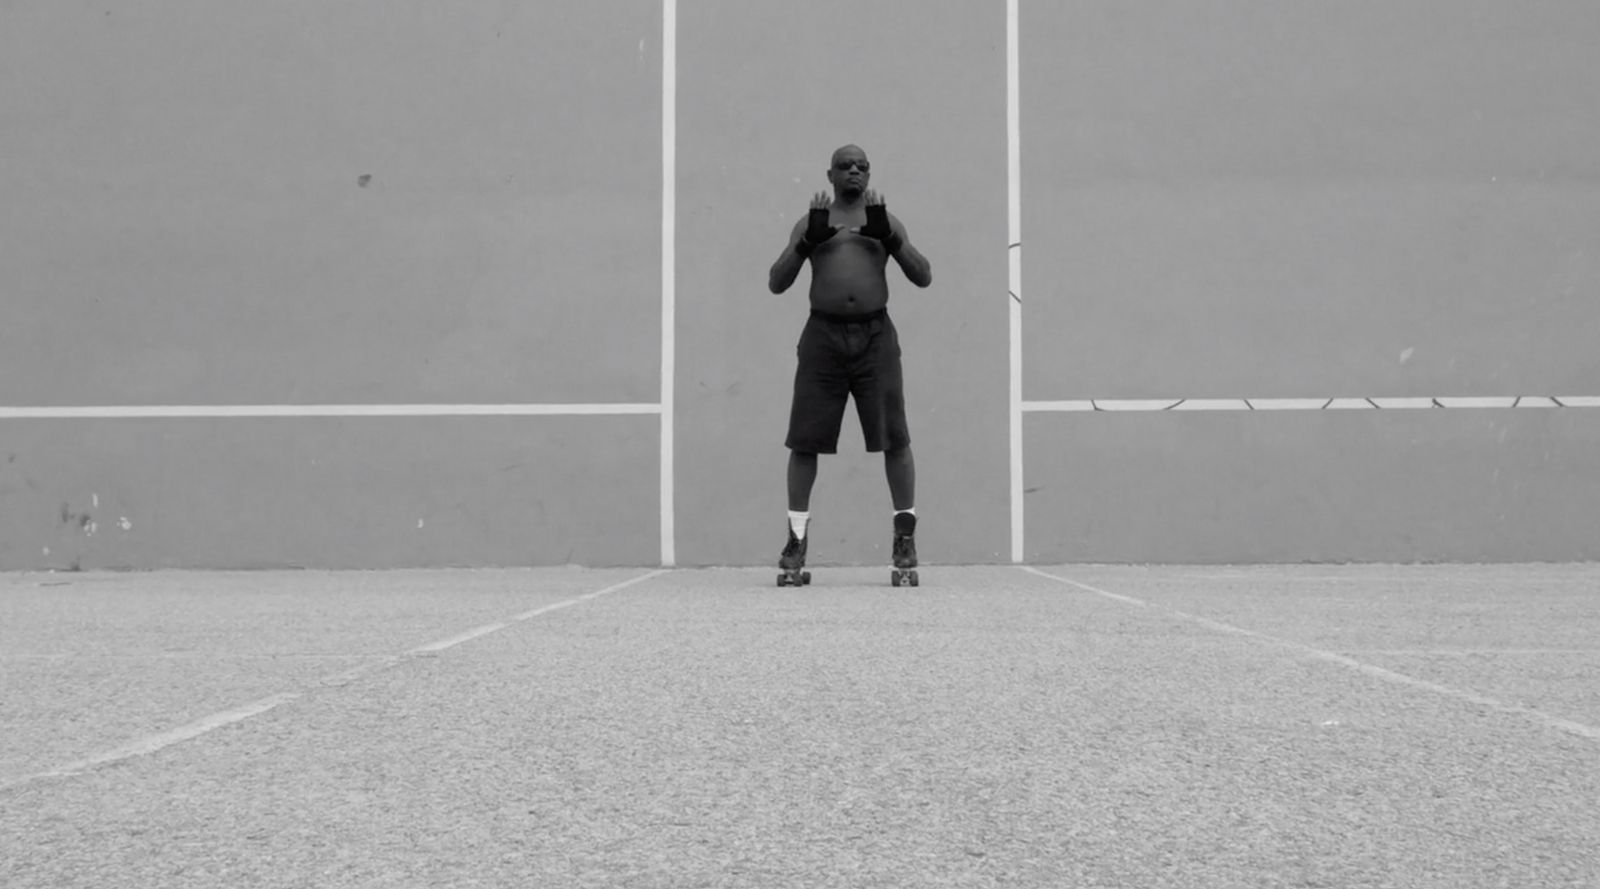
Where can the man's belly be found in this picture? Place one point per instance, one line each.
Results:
(848, 278)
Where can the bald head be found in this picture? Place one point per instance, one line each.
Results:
(849, 171)
(848, 152)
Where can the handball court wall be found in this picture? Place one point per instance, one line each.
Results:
(379, 284)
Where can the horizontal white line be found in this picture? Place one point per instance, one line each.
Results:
(144, 411)
(1469, 652)
(1309, 404)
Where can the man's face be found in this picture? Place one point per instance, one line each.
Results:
(850, 172)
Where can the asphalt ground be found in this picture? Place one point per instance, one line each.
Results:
(1049, 726)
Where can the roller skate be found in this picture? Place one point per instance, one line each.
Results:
(905, 551)
(792, 562)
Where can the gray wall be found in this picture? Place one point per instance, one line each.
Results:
(183, 221)
(215, 203)
(1262, 199)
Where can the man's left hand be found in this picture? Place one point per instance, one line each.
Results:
(878, 225)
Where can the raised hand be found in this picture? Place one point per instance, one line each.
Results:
(817, 228)
(878, 225)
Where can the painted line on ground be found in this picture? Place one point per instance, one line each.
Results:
(567, 603)
(1468, 652)
(478, 632)
(189, 656)
(1325, 403)
(211, 411)
(453, 641)
(153, 743)
(1566, 725)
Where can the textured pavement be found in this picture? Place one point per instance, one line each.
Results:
(1068, 726)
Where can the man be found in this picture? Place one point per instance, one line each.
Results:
(849, 347)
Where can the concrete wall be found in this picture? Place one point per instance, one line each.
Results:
(369, 203)
(1260, 199)
(289, 203)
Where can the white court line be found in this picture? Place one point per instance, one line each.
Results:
(1014, 261)
(669, 273)
(1326, 403)
(475, 633)
(1566, 725)
(453, 641)
(187, 656)
(198, 411)
(1469, 652)
(153, 743)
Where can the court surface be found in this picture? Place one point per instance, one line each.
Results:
(1050, 726)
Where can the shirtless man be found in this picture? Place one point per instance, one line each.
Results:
(849, 346)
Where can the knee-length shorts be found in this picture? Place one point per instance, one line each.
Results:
(845, 357)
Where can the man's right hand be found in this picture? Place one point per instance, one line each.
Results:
(817, 228)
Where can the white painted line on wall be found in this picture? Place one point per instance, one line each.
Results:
(1014, 273)
(198, 411)
(1202, 404)
(1576, 728)
(1055, 406)
(1287, 404)
(669, 272)
(153, 743)
(1084, 405)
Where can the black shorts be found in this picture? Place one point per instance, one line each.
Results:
(847, 356)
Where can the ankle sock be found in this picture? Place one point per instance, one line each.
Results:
(798, 522)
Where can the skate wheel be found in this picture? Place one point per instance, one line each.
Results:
(914, 579)
(783, 580)
(805, 578)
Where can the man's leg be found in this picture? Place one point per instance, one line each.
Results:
(902, 473)
(816, 412)
(880, 399)
(802, 476)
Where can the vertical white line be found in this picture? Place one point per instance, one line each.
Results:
(1014, 255)
(669, 271)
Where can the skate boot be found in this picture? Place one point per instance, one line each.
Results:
(905, 551)
(793, 561)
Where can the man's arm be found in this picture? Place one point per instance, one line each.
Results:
(789, 263)
(891, 232)
(916, 266)
(808, 233)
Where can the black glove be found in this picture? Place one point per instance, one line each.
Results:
(817, 231)
(878, 227)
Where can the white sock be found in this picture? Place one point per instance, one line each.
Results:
(798, 522)
(911, 511)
